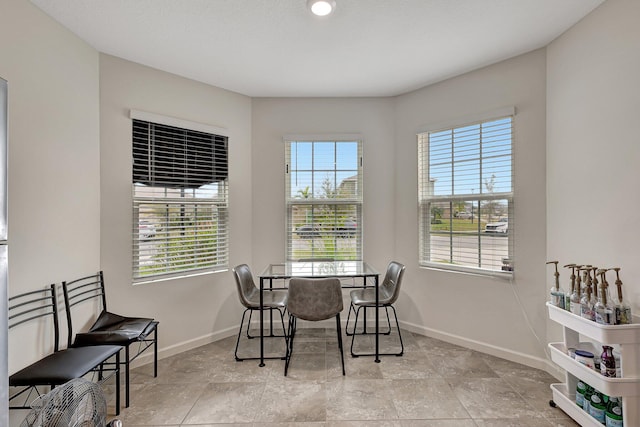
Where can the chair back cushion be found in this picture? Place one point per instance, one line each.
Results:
(314, 299)
(247, 289)
(112, 328)
(390, 287)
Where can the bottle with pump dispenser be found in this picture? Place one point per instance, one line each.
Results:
(574, 298)
(594, 285)
(623, 310)
(586, 302)
(605, 312)
(557, 295)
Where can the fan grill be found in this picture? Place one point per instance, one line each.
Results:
(77, 403)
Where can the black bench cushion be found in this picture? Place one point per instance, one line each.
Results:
(115, 329)
(64, 365)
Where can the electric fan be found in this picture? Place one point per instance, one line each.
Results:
(77, 403)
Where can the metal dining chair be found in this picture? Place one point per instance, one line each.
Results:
(249, 295)
(388, 290)
(313, 300)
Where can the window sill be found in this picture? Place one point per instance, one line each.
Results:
(506, 276)
(184, 275)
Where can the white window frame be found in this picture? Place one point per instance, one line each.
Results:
(159, 204)
(347, 241)
(427, 198)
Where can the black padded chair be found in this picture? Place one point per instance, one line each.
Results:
(249, 295)
(389, 290)
(60, 366)
(110, 328)
(313, 300)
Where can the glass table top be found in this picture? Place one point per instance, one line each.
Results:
(318, 269)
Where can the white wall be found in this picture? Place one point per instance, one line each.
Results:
(489, 314)
(194, 310)
(54, 189)
(54, 181)
(593, 144)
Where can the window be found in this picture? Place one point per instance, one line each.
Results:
(466, 196)
(180, 200)
(324, 199)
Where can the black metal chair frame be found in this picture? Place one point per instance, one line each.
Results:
(386, 306)
(251, 310)
(60, 366)
(89, 287)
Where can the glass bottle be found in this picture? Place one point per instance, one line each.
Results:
(557, 294)
(623, 310)
(613, 414)
(586, 403)
(574, 298)
(580, 389)
(605, 313)
(586, 302)
(607, 362)
(594, 287)
(597, 406)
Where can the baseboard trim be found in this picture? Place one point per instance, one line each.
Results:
(503, 353)
(147, 356)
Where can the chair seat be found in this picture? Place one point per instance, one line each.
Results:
(270, 299)
(367, 296)
(112, 328)
(62, 366)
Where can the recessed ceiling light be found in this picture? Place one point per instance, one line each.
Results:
(321, 7)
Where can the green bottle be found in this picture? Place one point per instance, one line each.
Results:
(613, 414)
(588, 391)
(597, 406)
(580, 389)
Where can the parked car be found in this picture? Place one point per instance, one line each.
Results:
(146, 230)
(502, 226)
(308, 231)
(349, 229)
(463, 215)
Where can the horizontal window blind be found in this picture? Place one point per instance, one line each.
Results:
(324, 200)
(465, 195)
(180, 201)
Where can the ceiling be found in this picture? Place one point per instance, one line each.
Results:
(277, 48)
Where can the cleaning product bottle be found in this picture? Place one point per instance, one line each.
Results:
(623, 310)
(557, 294)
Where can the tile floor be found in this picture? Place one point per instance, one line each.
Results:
(433, 384)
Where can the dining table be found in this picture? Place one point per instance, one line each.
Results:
(361, 273)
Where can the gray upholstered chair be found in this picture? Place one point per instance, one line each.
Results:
(313, 300)
(389, 290)
(249, 295)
